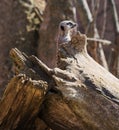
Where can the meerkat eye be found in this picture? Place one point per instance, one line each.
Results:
(62, 28)
(69, 23)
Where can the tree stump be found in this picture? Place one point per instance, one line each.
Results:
(77, 95)
(21, 101)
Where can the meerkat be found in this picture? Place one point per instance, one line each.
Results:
(66, 29)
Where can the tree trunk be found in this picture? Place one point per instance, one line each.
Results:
(54, 13)
(81, 94)
(14, 25)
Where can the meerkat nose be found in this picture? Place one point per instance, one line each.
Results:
(74, 25)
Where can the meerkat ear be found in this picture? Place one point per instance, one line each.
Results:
(62, 28)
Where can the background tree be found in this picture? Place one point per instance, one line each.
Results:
(18, 24)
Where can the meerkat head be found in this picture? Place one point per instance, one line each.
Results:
(67, 25)
(67, 29)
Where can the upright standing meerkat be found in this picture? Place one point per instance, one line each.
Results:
(67, 29)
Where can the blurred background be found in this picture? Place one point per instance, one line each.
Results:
(32, 27)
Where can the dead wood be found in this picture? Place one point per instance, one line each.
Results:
(90, 100)
(20, 104)
(81, 94)
(90, 91)
(104, 42)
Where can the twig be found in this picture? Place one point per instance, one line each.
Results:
(116, 19)
(104, 19)
(104, 42)
(86, 9)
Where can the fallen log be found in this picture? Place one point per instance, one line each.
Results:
(90, 94)
(77, 95)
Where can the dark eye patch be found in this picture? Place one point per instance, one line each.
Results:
(69, 23)
(62, 28)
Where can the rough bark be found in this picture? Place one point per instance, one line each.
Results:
(20, 105)
(90, 93)
(81, 94)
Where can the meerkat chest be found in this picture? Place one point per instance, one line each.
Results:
(65, 38)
